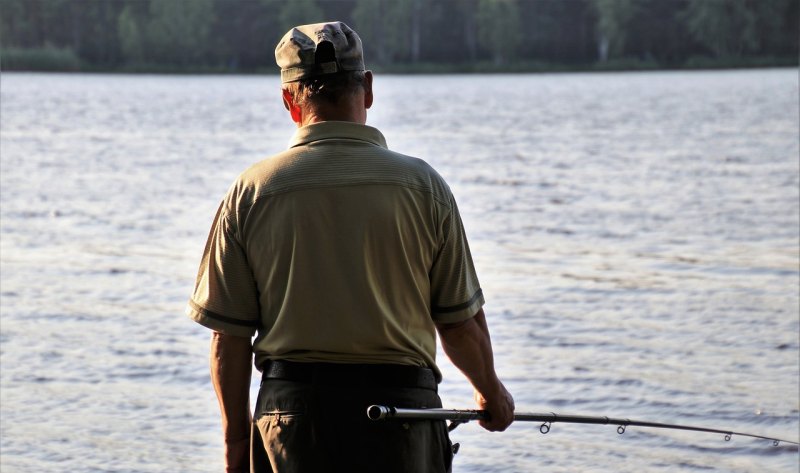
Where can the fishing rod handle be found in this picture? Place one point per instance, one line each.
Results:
(376, 412)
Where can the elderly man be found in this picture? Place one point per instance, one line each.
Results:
(343, 259)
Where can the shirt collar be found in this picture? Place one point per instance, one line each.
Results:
(337, 130)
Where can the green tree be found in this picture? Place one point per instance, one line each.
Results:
(33, 23)
(468, 8)
(655, 33)
(560, 32)
(17, 27)
(129, 28)
(725, 27)
(413, 38)
(613, 24)
(241, 34)
(499, 29)
(369, 17)
(391, 30)
(414, 31)
(300, 12)
(776, 26)
(178, 30)
(244, 33)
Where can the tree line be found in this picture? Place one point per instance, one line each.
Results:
(240, 35)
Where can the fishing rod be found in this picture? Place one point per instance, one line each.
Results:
(460, 416)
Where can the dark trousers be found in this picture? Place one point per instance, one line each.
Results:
(314, 426)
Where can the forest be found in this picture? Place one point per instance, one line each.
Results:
(239, 36)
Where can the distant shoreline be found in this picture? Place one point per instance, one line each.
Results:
(64, 61)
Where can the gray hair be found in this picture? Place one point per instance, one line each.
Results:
(330, 88)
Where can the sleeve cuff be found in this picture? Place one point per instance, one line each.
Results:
(221, 323)
(459, 312)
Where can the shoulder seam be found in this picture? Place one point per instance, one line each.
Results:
(423, 189)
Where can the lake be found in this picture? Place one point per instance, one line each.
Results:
(636, 236)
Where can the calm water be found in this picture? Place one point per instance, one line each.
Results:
(636, 236)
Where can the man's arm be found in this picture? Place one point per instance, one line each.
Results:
(231, 366)
(469, 347)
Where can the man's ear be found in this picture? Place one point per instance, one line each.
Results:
(288, 102)
(368, 98)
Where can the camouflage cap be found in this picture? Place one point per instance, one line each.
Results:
(318, 49)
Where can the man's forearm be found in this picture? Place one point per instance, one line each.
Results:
(231, 367)
(469, 347)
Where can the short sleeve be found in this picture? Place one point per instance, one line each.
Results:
(225, 297)
(455, 291)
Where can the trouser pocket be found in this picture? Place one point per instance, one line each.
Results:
(283, 420)
(288, 440)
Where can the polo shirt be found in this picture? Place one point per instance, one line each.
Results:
(337, 250)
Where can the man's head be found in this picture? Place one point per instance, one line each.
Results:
(322, 73)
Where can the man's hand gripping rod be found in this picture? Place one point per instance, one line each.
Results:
(459, 416)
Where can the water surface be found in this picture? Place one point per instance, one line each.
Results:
(636, 236)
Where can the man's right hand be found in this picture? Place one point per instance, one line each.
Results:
(499, 405)
(469, 347)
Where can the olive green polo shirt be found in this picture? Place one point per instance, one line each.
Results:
(337, 250)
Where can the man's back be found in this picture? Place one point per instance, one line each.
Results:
(343, 237)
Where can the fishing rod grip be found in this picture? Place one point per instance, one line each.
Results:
(376, 412)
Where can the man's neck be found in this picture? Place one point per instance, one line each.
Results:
(344, 111)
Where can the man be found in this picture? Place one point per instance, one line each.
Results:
(343, 259)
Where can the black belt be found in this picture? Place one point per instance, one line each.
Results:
(399, 376)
